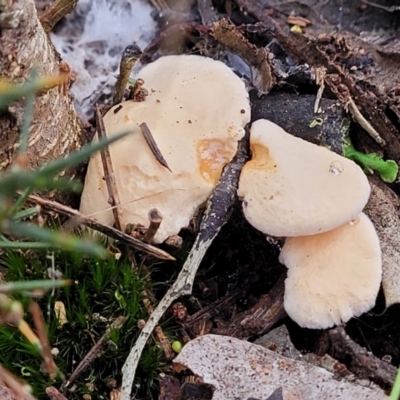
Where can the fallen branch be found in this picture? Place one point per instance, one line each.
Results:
(95, 351)
(107, 230)
(216, 215)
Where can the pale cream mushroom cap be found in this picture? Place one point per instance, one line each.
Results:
(196, 111)
(332, 276)
(292, 187)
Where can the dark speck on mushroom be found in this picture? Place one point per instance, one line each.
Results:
(242, 111)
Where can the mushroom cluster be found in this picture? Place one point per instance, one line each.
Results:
(196, 110)
(314, 197)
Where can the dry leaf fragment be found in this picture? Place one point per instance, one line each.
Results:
(240, 370)
(299, 21)
(61, 314)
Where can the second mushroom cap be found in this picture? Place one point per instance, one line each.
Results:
(292, 187)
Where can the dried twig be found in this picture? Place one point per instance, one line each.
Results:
(153, 145)
(355, 112)
(216, 215)
(109, 175)
(107, 230)
(55, 13)
(54, 394)
(129, 57)
(94, 351)
(320, 81)
(37, 316)
(155, 218)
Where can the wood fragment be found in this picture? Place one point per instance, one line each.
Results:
(129, 57)
(208, 311)
(226, 33)
(153, 145)
(155, 219)
(55, 13)
(362, 362)
(93, 224)
(261, 317)
(137, 92)
(219, 207)
(109, 175)
(94, 351)
(320, 81)
(162, 339)
(170, 388)
(54, 394)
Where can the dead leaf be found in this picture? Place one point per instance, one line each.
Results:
(239, 370)
(61, 314)
(299, 21)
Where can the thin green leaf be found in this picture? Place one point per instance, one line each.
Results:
(23, 245)
(29, 212)
(32, 285)
(20, 201)
(52, 238)
(77, 157)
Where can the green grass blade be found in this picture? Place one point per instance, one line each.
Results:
(52, 238)
(24, 245)
(395, 393)
(25, 286)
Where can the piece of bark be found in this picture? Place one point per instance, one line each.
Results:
(383, 210)
(55, 12)
(361, 362)
(170, 388)
(196, 391)
(261, 317)
(54, 394)
(55, 129)
(6, 394)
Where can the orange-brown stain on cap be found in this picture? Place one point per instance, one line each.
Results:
(212, 156)
(261, 159)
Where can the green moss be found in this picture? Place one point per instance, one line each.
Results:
(102, 290)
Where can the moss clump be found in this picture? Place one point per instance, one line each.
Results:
(102, 290)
